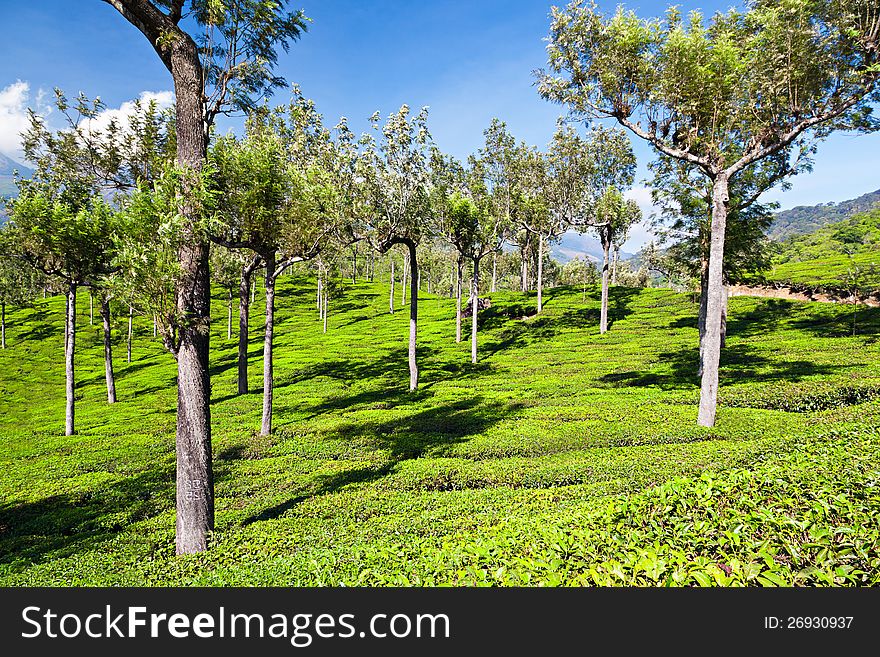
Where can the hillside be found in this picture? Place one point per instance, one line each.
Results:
(563, 457)
(806, 219)
(8, 167)
(839, 256)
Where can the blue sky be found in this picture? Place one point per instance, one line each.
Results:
(467, 60)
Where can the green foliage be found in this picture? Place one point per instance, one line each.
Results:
(561, 458)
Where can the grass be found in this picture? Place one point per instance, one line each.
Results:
(563, 457)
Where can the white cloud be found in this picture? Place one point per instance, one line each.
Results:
(163, 99)
(14, 118)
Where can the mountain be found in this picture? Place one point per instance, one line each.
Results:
(806, 219)
(7, 182)
(573, 245)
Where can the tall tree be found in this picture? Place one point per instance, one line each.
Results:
(397, 182)
(226, 64)
(270, 202)
(720, 96)
(66, 234)
(613, 217)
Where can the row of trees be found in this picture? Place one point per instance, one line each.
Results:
(731, 107)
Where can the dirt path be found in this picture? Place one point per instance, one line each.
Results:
(788, 293)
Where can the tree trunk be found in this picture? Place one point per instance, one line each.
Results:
(128, 344)
(714, 304)
(614, 264)
(524, 269)
(406, 272)
(195, 476)
(229, 314)
(458, 285)
(108, 351)
(268, 382)
(494, 272)
(724, 318)
(244, 312)
(704, 300)
(69, 346)
(603, 313)
(540, 272)
(475, 305)
(372, 264)
(3, 324)
(324, 306)
(155, 327)
(354, 264)
(413, 316)
(391, 296)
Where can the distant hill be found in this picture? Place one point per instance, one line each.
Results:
(806, 219)
(574, 245)
(7, 181)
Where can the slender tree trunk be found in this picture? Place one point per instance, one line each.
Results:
(320, 293)
(540, 272)
(91, 308)
(155, 326)
(69, 347)
(603, 313)
(616, 249)
(704, 301)
(324, 308)
(391, 296)
(128, 344)
(413, 316)
(244, 312)
(354, 264)
(406, 272)
(372, 264)
(475, 307)
(524, 269)
(724, 317)
(268, 381)
(494, 272)
(253, 293)
(229, 314)
(458, 285)
(3, 324)
(108, 351)
(715, 304)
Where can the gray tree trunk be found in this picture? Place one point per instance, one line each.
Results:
(324, 307)
(413, 316)
(475, 305)
(406, 272)
(614, 264)
(714, 305)
(3, 324)
(494, 272)
(69, 347)
(603, 312)
(229, 314)
(244, 312)
(540, 272)
(524, 269)
(354, 264)
(108, 351)
(391, 296)
(195, 475)
(128, 343)
(155, 326)
(704, 300)
(458, 285)
(268, 379)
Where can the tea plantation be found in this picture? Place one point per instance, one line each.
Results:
(563, 457)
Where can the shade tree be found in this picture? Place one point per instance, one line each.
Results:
(719, 95)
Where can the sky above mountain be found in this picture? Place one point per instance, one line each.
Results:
(468, 61)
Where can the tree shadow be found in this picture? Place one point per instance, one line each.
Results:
(82, 520)
(739, 363)
(431, 431)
